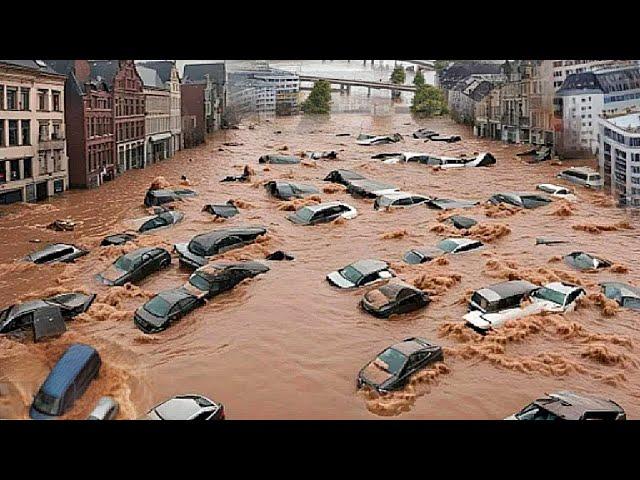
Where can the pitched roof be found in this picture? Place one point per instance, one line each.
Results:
(150, 77)
(601, 81)
(104, 70)
(39, 65)
(197, 72)
(458, 71)
(163, 67)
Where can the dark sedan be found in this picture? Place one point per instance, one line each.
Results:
(154, 198)
(394, 298)
(194, 254)
(343, 177)
(187, 407)
(165, 308)
(162, 220)
(135, 265)
(219, 277)
(117, 239)
(57, 252)
(522, 200)
(393, 367)
(586, 261)
(288, 190)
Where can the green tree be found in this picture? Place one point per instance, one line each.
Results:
(418, 80)
(398, 76)
(428, 101)
(319, 100)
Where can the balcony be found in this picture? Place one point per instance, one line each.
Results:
(52, 144)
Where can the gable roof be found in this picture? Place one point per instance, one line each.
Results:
(458, 71)
(104, 70)
(150, 77)
(162, 67)
(197, 72)
(36, 65)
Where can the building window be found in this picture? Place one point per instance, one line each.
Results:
(12, 98)
(42, 100)
(15, 170)
(3, 172)
(42, 163)
(13, 133)
(28, 171)
(24, 99)
(57, 131)
(26, 132)
(57, 161)
(1, 97)
(44, 131)
(2, 135)
(56, 101)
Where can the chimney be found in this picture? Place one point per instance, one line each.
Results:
(82, 70)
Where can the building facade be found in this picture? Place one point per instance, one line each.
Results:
(194, 126)
(33, 157)
(464, 97)
(214, 78)
(619, 156)
(157, 101)
(563, 68)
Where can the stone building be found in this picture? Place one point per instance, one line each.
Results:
(33, 157)
(488, 115)
(157, 100)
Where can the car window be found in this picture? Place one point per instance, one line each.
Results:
(203, 415)
(533, 412)
(23, 320)
(404, 202)
(630, 302)
(417, 199)
(392, 359)
(227, 241)
(199, 282)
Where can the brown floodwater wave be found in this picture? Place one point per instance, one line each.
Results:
(286, 344)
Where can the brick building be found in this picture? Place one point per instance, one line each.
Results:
(194, 128)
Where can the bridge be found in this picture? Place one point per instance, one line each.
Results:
(346, 84)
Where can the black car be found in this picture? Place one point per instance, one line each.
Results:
(279, 159)
(56, 252)
(154, 198)
(393, 367)
(343, 177)
(225, 210)
(45, 316)
(162, 220)
(522, 200)
(288, 190)
(626, 295)
(586, 261)
(165, 308)
(424, 133)
(461, 222)
(187, 407)
(117, 239)
(135, 265)
(369, 188)
(194, 254)
(445, 138)
(218, 277)
(449, 203)
(394, 298)
(570, 406)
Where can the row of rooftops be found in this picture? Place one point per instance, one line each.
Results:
(607, 80)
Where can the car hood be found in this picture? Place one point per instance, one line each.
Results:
(112, 274)
(339, 281)
(296, 219)
(374, 375)
(476, 318)
(150, 318)
(183, 250)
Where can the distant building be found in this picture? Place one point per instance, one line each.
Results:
(464, 97)
(488, 115)
(89, 121)
(449, 77)
(33, 157)
(544, 124)
(249, 96)
(286, 86)
(157, 102)
(214, 78)
(563, 68)
(619, 155)
(584, 96)
(194, 127)
(169, 75)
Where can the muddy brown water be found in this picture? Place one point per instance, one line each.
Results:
(288, 345)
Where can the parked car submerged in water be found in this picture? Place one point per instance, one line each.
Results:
(626, 295)
(448, 245)
(154, 198)
(399, 200)
(187, 407)
(106, 409)
(163, 220)
(392, 368)
(135, 265)
(557, 191)
(197, 251)
(522, 200)
(394, 298)
(117, 239)
(361, 273)
(322, 213)
(165, 308)
(343, 177)
(585, 261)
(567, 405)
(289, 190)
(218, 277)
(584, 176)
(56, 252)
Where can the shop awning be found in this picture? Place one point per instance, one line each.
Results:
(159, 137)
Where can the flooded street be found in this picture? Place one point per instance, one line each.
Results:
(286, 344)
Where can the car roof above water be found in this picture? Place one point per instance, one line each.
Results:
(506, 289)
(367, 266)
(67, 368)
(571, 406)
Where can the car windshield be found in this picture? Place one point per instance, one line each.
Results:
(482, 302)
(533, 412)
(550, 295)
(392, 360)
(46, 403)
(305, 214)
(124, 263)
(157, 306)
(448, 245)
(351, 274)
(199, 282)
(583, 261)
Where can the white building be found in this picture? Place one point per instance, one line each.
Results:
(584, 96)
(619, 156)
(563, 68)
(33, 155)
(157, 119)
(286, 86)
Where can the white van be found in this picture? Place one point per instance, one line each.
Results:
(582, 176)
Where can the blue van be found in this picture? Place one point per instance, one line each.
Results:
(67, 382)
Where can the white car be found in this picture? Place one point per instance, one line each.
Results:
(553, 297)
(361, 273)
(322, 213)
(399, 200)
(557, 191)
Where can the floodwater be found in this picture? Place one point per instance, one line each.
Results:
(286, 344)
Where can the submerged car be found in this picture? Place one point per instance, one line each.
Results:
(165, 219)
(626, 295)
(218, 277)
(361, 273)
(392, 368)
(187, 407)
(445, 138)
(279, 159)
(322, 213)
(585, 261)
(500, 303)
(394, 298)
(522, 200)
(535, 156)
(448, 245)
(225, 210)
(424, 133)
(165, 308)
(557, 191)
(106, 409)
(46, 316)
(117, 239)
(461, 222)
(289, 190)
(56, 252)
(135, 265)
(570, 406)
(582, 176)
(369, 188)
(399, 200)
(195, 253)
(332, 155)
(343, 177)
(365, 139)
(153, 198)
(449, 204)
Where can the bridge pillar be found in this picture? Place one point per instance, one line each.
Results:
(369, 92)
(348, 89)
